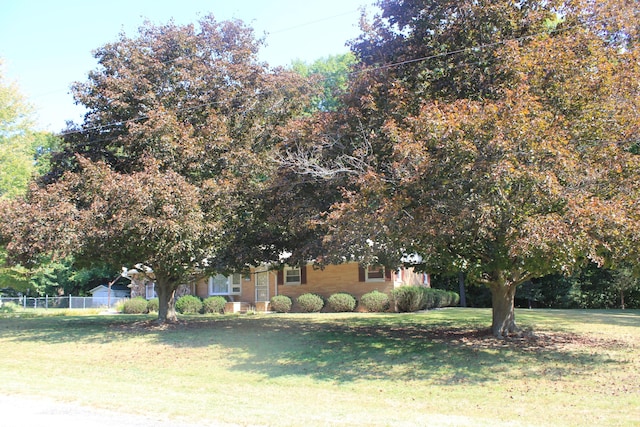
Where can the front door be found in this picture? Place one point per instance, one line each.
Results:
(262, 286)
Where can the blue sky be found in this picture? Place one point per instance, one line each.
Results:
(46, 45)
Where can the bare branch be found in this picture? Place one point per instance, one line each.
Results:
(327, 158)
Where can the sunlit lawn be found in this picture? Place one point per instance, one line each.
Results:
(433, 368)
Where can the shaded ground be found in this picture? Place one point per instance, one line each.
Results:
(473, 337)
(384, 368)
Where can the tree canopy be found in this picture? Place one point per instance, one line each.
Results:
(175, 143)
(496, 138)
(23, 151)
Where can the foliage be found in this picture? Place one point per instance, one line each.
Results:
(588, 287)
(53, 277)
(309, 303)
(9, 307)
(437, 298)
(341, 302)
(213, 304)
(407, 299)
(23, 151)
(152, 305)
(503, 150)
(189, 304)
(281, 303)
(375, 301)
(332, 74)
(15, 277)
(174, 153)
(137, 305)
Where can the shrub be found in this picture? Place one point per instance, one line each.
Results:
(153, 305)
(214, 304)
(9, 307)
(310, 303)
(455, 299)
(188, 304)
(375, 302)
(137, 305)
(430, 298)
(407, 299)
(281, 304)
(341, 302)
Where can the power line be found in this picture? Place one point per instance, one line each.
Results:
(470, 48)
(365, 70)
(317, 21)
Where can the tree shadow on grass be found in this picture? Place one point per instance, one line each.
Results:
(391, 347)
(345, 349)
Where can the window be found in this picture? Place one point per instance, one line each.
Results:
(235, 279)
(225, 285)
(374, 274)
(292, 276)
(150, 291)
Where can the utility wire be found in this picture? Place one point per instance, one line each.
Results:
(365, 70)
(470, 48)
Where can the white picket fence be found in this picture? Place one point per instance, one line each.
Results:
(62, 302)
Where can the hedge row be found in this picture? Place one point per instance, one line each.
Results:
(408, 299)
(403, 299)
(187, 304)
(312, 303)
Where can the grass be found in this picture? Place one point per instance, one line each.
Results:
(439, 367)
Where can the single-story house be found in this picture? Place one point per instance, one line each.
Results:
(256, 288)
(101, 296)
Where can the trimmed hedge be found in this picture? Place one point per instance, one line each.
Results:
(281, 304)
(375, 302)
(153, 305)
(408, 299)
(137, 305)
(214, 305)
(188, 304)
(310, 303)
(342, 302)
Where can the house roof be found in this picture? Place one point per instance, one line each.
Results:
(116, 287)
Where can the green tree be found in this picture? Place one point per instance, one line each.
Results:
(490, 137)
(332, 74)
(23, 151)
(23, 155)
(175, 146)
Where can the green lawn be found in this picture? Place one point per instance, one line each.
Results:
(435, 368)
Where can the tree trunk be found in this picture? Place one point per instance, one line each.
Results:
(166, 302)
(504, 319)
(463, 295)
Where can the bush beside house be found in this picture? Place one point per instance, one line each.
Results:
(214, 305)
(188, 304)
(407, 299)
(137, 305)
(341, 302)
(375, 302)
(310, 303)
(153, 305)
(281, 304)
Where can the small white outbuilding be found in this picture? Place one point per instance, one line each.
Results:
(100, 294)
